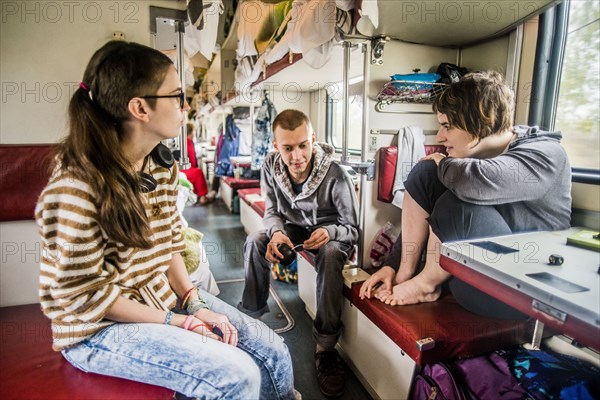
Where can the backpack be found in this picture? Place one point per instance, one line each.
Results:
(483, 377)
(516, 374)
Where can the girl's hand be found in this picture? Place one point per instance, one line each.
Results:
(383, 277)
(215, 325)
(437, 157)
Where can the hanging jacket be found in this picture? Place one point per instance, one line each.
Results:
(229, 145)
(263, 134)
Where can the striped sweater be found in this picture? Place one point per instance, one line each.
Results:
(83, 271)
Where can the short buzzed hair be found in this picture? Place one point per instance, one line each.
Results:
(290, 119)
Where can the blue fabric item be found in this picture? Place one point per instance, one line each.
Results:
(228, 148)
(262, 137)
(430, 78)
(550, 375)
(189, 363)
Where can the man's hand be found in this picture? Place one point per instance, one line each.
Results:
(318, 238)
(273, 255)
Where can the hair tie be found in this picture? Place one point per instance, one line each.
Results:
(87, 89)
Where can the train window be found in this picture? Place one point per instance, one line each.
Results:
(578, 108)
(335, 115)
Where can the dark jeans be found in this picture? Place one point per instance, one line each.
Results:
(329, 262)
(453, 219)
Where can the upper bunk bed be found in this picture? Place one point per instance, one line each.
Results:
(269, 37)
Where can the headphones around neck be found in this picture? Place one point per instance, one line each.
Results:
(163, 157)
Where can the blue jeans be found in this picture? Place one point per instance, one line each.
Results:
(189, 363)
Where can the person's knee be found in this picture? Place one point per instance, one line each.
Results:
(256, 242)
(257, 238)
(449, 205)
(249, 377)
(455, 219)
(421, 173)
(333, 250)
(254, 252)
(241, 380)
(332, 256)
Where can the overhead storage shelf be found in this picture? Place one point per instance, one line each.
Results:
(457, 23)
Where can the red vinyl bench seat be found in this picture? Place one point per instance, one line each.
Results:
(30, 369)
(457, 332)
(252, 209)
(240, 183)
(257, 205)
(243, 193)
(24, 172)
(229, 191)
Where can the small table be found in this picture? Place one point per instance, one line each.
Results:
(515, 269)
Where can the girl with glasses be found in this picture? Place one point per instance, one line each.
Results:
(112, 279)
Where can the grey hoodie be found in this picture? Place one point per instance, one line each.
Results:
(530, 184)
(328, 199)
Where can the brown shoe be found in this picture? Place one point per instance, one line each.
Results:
(330, 373)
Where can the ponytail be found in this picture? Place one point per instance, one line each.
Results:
(92, 150)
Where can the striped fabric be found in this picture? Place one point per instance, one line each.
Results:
(83, 272)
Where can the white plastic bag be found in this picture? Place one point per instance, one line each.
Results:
(203, 277)
(382, 243)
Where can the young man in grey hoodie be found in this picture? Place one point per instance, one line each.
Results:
(310, 201)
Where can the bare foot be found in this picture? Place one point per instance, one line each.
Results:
(400, 277)
(380, 291)
(411, 292)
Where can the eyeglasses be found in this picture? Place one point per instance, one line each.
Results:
(180, 96)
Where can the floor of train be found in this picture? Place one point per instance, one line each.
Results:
(223, 240)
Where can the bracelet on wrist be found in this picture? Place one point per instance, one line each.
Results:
(196, 305)
(186, 296)
(168, 318)
(188, 321)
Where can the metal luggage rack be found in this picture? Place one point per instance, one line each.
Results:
(412, 92)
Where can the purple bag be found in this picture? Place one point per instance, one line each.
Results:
(436, 381)
(482, 378)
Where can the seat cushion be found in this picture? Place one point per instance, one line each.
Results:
(249, 193)
(457, 332)
(388, 157)
(30, 369)
(259, 207)
(25, 172)
(241, 183)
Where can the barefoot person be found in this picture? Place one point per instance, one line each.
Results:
(496, 180)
